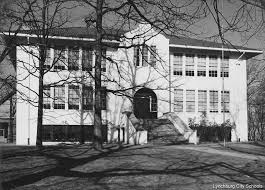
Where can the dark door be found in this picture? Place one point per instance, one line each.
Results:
(144, 103)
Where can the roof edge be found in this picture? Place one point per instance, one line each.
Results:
(217, 49)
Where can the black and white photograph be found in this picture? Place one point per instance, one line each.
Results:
(132, 94)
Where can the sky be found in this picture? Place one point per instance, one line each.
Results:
(207, 26)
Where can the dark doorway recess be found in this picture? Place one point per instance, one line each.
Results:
(145, 104)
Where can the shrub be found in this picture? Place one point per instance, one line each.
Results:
(212, 132)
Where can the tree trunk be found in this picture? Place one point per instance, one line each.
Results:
(40, 102)
(97, 106)
(10, 126)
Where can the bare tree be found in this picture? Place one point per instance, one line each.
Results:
(167, 17)
(40, 19)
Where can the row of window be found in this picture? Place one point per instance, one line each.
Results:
(57, 99)
(187, 68)
(68, 58)
(145, 55)
(202, 100)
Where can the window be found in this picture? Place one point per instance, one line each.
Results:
(59, 97)
(177, 64)
(73, 97)
(103, 97)
(189, 65)
(73, 59)
(103, 61)
(201, 67)
(59, 58)
(213, 101)
(225, 67)
(225, 101)
(178, 100)
(87, 60)
(153, 55)
(202, 100)
(153, 105)
(87, 98)
(137, 56)
(213, 65)
(47, 64)
(46, 97)
(145, 55)
(190, 100)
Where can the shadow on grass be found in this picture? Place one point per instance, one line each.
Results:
(66, 162)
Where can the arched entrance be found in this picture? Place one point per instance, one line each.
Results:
(145, 104)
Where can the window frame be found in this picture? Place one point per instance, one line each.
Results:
(178, 64)
(87, 57)
(88, 100)
(46, 97)
(190, 66)
(58, 63)
(190, 102)
(144, 55)
(213, 66)
(214, 101)
(224, 68)
(73, 97)
(60, 100)
(73, 62)
(178, 100)
(225, 102)
(201, 65)
(202, 100)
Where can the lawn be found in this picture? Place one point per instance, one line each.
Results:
(133, 167)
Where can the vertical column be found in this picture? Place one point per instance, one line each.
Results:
(66, 96)
(195, 65)
(207, 66)
(196, 100)
(184, 100)
(183, 64)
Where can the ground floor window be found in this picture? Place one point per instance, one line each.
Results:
(190, 100)
(178, 100)
(225, 100)
(213, 101)
(59, 97)
(70, 133)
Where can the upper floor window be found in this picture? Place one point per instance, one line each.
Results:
(201, 66)
(59, 97)
(47, 64)
(190, 100)
(225, 98)
(103, 97)
(225, 67)
(213, 66)
(87, 59)
(189, 65)
(177, 64)
(213, 101)
(87, 97)
(59, 58)
(73, 58)
(178, 100)
(103, 61)
(145, 55)
(202, 100)
(73, 97)
(46, 97)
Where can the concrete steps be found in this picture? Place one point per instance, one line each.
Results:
(162, 131)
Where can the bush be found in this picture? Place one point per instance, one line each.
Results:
(212, 132)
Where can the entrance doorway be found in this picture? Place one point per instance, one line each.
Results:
(145, 104)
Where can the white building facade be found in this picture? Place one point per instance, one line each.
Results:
(156, 75)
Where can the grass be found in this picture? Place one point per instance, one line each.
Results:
(129, 167)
